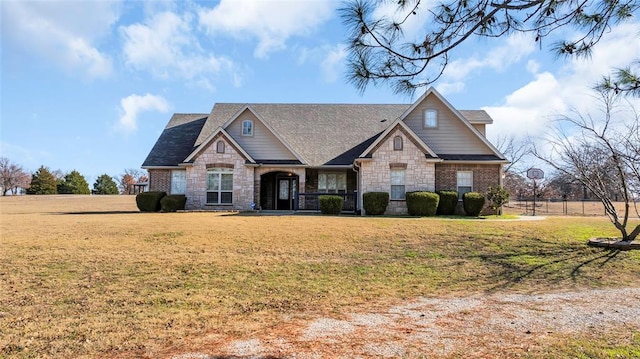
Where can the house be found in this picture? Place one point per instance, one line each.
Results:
(282, 156)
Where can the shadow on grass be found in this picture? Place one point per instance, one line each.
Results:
(100, 212)
(575, 263)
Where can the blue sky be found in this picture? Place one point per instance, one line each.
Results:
(90, 85)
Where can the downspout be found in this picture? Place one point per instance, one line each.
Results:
(356, 169)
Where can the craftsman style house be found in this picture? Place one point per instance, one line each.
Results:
(282, 156)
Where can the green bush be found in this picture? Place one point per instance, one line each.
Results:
(448, 202)
(375, 203)
(331, 204)
(473, 202)
(497, 197)
(422, 203)
(173, 202)
(149, 201)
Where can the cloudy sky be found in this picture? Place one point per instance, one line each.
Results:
(90, 85)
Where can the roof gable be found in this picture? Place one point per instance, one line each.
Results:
(398, 125)
(220, 132)
(264, 143)
(454, 133)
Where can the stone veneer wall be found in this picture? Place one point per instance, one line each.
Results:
(242, 178)
(160, 180)
(375, 175)
(484, 176)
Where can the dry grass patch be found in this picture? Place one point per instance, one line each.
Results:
(89, 276)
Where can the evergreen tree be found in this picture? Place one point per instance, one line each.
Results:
(43, 182)
(105, 185)
(74, 183)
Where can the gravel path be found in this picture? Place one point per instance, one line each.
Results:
(476, 326)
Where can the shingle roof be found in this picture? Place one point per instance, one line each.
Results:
(323, 134)
(318, 132)
(177, 140)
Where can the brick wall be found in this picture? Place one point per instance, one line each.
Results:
(376, 174)
(160, 180)
(484, 176)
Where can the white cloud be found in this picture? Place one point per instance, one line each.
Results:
(62, 32)
(166, 46)
(333, 64)
(516, 47)
(271, 22)
(133, 105)
(529, 109)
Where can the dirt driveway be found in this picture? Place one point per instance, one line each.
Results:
(497, 325)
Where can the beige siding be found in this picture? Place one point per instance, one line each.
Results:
(263, 145)
(451, 136)
(480, 128)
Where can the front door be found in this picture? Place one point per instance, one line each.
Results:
(285, 193)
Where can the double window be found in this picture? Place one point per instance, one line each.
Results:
(220, 186)
(247, 128)
(397, 184)
(465, 182)
(332, 182)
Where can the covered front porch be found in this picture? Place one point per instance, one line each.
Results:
(298, 189)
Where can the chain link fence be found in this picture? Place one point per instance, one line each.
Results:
(559, 207)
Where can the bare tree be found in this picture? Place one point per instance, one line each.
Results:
(12, 176)
(379, 50)
(129, 178)
(516, 149)
(602, 154)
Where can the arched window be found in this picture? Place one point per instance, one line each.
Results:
(220, 147)
(397, 143)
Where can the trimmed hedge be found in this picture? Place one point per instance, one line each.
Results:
(473, 202)
(422, 203)
(448, 202)
(331, 204)
(149, 201)
(173, 202)
(375, 203)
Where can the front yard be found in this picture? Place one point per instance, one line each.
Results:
(91, 277)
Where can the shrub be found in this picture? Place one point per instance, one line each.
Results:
(497, 197)
(422, 203)
(472, 203)
(375, 203)
(448, 202)
(149, 201)
(331, 204)
(173, 202)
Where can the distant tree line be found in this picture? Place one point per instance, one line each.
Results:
(15, 180)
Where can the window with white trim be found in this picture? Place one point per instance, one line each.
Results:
(397, 184)
(220, 186)
(430, 117)
(465, 182)
(332, 182)
(178, 181)
(247, 128)
(397, 143)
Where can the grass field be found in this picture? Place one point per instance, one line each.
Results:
(89, 276)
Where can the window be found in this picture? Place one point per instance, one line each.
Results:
(220, 147)
(178, 181)
(247, 128)
(397, 143)
(220, 186)
(332, 182)
(465, 182)
(430, 118)
(397, 184)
